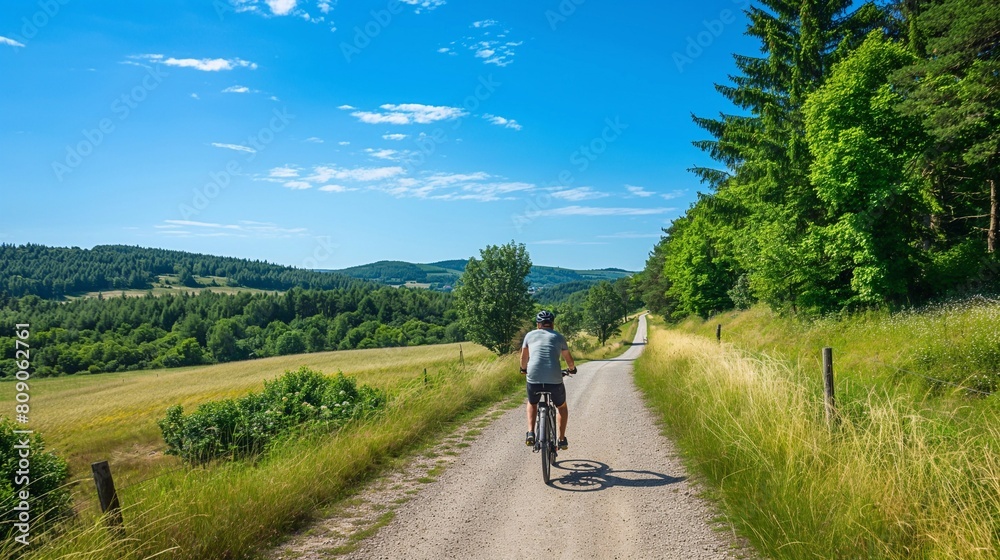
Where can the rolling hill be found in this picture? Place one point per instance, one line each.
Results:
(442, 275)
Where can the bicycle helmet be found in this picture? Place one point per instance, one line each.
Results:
(544, 316)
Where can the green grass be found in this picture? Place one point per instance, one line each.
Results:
(585, 346)
(911, 471)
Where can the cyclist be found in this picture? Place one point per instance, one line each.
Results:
(540, 363)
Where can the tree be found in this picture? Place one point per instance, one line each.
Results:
(492, 296)
(869, 251)
(763, 185)
(604, 310)
(956, 92)
(222, 341)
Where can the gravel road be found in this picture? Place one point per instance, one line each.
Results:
(618, 492)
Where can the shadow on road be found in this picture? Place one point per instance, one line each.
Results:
(584, 475)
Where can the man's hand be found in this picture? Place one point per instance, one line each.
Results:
(524, 371)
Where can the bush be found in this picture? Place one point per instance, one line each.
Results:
(243, 427)
(49, 499)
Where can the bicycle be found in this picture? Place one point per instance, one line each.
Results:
(545, 427)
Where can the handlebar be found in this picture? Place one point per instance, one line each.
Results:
(569, 372)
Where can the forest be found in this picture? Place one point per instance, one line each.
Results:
(55, 272)
(857, 169)
(92, 335)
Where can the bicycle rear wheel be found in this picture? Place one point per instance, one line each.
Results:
(544, 429)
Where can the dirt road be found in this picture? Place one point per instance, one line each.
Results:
(619, 491)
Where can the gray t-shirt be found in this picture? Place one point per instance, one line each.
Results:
(544, 348)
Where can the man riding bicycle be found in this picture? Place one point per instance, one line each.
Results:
(540, 363)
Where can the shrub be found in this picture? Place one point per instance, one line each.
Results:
(49, 498)
(245, 426)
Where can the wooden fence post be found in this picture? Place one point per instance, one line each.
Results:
(461, 355)
(110, 505)
(425, 376)
(831, 408)
(718, 332)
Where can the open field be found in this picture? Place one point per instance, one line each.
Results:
(911, 470)
(112, 416)
(169, 284)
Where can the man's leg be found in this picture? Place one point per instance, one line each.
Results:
(532, 411)
(563, 410)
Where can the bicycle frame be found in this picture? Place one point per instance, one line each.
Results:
(545, 427)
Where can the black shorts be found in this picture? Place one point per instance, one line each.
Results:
(558, 391)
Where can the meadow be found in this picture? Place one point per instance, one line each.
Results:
(229, 510)
(911, 469)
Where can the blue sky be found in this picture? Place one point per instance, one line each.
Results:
(329, 134)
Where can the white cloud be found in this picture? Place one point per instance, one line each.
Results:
(336, 188)
(343, 143)
(11, 42)
(284, 172)
(478, 186)
(195, 96)
(424, 4)
(491, 47)
(408, 113)
(314, 140)
(236, 147)
(674, 194)
(323, 174)
(500, 121)
(578, 193)
(639, 191)
(297, 185)
(271, 8)
(236, 89)
(445, 50)
(394, 136)
(243, 228)
(347, 108)
(391, 155)
(598, 211)
(203, 64)
(281, 7)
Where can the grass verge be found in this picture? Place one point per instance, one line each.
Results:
(911, 471)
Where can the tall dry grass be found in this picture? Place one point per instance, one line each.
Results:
(901, 477)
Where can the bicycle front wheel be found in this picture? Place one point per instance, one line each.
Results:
(543, 431)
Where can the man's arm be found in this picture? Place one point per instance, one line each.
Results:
(524, 360)
(569, 359)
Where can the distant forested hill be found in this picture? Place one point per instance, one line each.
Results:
(446, 273)
(54, 272)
